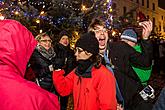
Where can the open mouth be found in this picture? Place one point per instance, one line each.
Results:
(101, 42)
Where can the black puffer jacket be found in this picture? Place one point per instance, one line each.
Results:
(40, 65)
(121, 55)
(65, 56)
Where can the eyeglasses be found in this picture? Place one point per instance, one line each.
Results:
(46, 41)
(79, 50)
(100, 30)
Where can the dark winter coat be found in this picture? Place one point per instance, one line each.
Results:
(121, 54)
(40, 66)
(64, 58)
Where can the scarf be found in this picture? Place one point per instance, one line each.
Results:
(84, 68)
(48, 54)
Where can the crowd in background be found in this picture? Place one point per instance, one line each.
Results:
(98, 74)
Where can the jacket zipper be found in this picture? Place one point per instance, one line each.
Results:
(79, 81)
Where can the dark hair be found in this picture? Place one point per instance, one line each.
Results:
(62, 33)
(96, 21)
(96, 59)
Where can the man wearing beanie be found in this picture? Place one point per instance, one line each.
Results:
(118, 55)
(90, 82)
(130, 37)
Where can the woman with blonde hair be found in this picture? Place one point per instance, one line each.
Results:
(41, 62)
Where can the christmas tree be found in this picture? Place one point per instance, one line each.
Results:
(56, 15)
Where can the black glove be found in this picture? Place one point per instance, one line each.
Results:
(58, 63)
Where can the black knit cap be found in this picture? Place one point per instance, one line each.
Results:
(89, 43)
(62, 33)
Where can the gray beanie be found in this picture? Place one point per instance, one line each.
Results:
(130, 35)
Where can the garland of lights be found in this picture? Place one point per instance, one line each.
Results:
(16, 8)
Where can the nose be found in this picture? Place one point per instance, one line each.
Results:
(102, 32)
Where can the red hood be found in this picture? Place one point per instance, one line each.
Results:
(16, 46)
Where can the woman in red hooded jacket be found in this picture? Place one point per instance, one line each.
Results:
(92, 85)
(16, 47)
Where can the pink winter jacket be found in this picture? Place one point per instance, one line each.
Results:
(16, 93)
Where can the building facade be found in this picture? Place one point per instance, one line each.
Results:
(149, 8)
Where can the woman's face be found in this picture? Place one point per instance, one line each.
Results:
(64, 40)
(81, 54)
(45, 41)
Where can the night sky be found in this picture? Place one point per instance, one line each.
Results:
(161, 3)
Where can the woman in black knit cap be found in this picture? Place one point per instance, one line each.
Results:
(92, 85)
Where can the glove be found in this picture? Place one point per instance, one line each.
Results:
(58, 63)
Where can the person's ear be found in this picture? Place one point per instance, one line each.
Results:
(88, 53)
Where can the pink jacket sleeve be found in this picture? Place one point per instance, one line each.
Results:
(63, 85)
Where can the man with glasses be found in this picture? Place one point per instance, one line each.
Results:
(118, 55)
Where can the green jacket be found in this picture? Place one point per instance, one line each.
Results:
(143, 73)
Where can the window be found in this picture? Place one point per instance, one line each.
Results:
(148, 3)
(153, 22)
(137, 1)
(124, 10)
(153, 6)
(159, 26)
(114, 6)
(154, 27)
(142, 2)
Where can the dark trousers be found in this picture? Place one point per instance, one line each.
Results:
(139, 104)
(64, 102)
(143, 105)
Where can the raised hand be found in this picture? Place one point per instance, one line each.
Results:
(147, 28)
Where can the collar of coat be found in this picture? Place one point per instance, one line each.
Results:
(87, 73)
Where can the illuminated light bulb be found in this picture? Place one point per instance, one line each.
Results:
(40, 30)
(76, 33)
(42, 12)
(107, 1)
(104, 4)
(2, 17)
(110, 10)
(16, 12)
(38, 21)
(113, 33)
(83, 8)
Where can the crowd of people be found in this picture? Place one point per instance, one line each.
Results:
(99, 74)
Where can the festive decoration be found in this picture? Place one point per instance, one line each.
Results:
(71, 15)
(56, 14)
